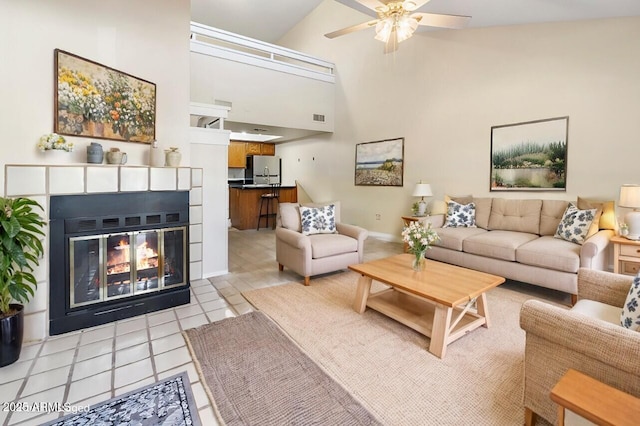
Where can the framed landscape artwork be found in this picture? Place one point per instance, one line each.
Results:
(96, 101)
(380, 163)
(530, 156)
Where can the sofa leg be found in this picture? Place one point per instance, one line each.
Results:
(306, 280)
(529, 417)
(280, 267)
(574, 299)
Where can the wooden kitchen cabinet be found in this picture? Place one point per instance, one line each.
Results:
(253, 148)
(268, 149)
(237, 155)
(238, 152)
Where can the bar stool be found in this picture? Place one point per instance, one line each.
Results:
(273, 194)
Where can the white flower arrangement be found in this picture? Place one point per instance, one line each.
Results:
(54, 141)
(418, 237)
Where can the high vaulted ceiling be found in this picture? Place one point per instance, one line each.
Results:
(270, 20)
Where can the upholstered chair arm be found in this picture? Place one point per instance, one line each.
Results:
(607, 343)
(604, 287)
(354, 232)
(293, 238)
(594, 253)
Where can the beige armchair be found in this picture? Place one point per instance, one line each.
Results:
(587, 338)
(309, 255)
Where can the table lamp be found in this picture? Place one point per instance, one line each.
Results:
(630, 198)
(422, 190)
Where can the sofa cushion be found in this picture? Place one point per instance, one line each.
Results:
(460, 199)
(550, 215)
(599, 310)
(608, 216)
(483, 211)
(318, 220)
(440, 206)
(460, 215)
(290, 216)
(497, 244)
(515, 215)
(551, 253)
(325, 245)
(452, 238)
(575, 224)
(630, 317)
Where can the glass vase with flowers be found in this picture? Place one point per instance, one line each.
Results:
(419, 238)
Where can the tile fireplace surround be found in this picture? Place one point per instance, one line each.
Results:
(39, 182)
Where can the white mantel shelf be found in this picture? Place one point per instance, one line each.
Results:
(82, 178)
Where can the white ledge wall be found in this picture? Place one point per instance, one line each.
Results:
(39, 182)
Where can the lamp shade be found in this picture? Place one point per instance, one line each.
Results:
(630, 196)
(422, 190)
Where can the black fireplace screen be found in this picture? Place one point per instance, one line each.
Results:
(114, 256)
(108, 267)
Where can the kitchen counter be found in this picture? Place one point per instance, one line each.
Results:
(244, 203)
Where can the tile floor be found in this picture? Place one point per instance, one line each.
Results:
(85, 367)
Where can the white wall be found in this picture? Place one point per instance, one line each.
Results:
(150, 41)
(209, 150)
(443, 90)
(262, 96)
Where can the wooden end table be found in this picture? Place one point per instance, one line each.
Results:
(594, 401)
(437, 302)
(626, 256)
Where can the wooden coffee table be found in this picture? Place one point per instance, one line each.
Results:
(437, 302)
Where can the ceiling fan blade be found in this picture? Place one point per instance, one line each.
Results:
(372, 4)
(367, 7)
(352, 29)
(442, 21)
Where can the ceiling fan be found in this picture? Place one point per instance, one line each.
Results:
(397, 21)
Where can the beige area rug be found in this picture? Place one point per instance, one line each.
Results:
(256, 375)
(386, 365)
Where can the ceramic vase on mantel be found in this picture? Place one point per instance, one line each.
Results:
(419, 261)
(172, 157)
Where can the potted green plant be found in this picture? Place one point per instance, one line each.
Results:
(20, 250)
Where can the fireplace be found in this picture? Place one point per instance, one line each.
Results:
(114, 256)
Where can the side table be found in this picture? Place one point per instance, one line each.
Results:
(626, 256)
(594, 401)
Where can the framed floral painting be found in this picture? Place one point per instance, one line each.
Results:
(97, 101)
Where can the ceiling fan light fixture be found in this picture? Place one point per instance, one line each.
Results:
(405, 26)
(384, 27)
(409, 6)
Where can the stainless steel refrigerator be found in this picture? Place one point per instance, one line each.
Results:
(266, 169)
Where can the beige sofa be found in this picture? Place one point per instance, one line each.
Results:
(310, 255)
(515, 239)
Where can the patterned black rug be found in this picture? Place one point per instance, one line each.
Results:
(167, 402)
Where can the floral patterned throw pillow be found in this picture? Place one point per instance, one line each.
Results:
(318, 220)
(575, 224)
(630, 317)
(460, 215)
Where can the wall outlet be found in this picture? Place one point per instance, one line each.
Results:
(377, 216)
